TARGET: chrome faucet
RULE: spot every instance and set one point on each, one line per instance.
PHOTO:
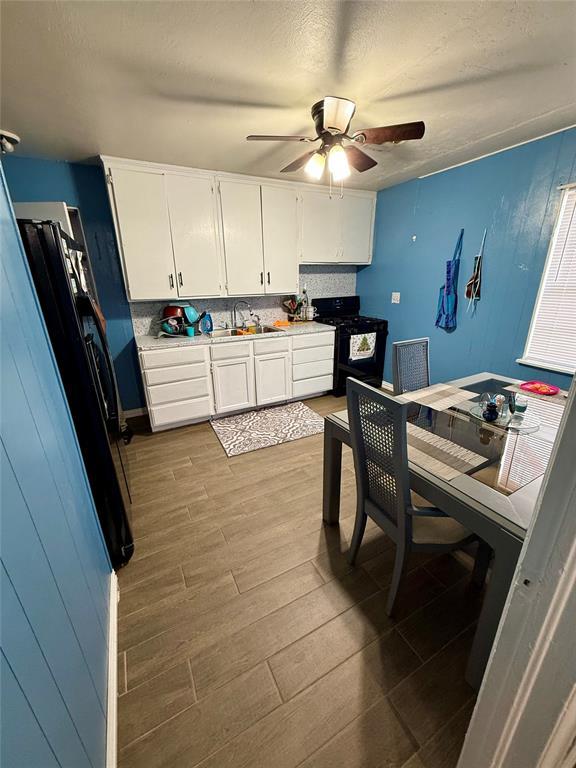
(234, 318)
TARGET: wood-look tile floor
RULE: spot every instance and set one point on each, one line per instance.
(246, 640)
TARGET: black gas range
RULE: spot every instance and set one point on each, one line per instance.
(360, 341)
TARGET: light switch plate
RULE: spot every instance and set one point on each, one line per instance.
(395, 297)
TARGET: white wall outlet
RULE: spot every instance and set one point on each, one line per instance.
(395, 297)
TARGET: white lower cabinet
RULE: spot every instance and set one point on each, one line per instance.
(313, 386)
(312, 364)
(273, 382)
(178, 385)
(175, 414)
(233, 384)
(187, 384)
(272, 370)
(233, 376)
(180, 390)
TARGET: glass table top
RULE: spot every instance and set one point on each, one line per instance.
(505, 461)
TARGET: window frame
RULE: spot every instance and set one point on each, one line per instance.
(526, 359)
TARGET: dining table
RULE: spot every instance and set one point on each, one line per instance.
(485, 475)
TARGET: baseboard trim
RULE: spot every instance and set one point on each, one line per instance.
(135, 412)
(112, 704)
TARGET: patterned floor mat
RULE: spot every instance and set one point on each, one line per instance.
(270, 426)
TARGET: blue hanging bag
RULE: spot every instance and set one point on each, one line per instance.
(448, 296)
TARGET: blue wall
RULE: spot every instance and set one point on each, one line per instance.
(83, 186)
(514, 194)
(54, 568)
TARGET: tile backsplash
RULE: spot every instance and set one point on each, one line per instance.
(320, 281)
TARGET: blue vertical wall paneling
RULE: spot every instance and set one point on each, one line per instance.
(84, 186)
(514, 194)
(27, 664)
(55, 566)
(23, 742)
(32, 395)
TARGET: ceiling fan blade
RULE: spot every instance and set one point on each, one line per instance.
(278, 138)
(401, 132)
(359, 160)
(298, 163)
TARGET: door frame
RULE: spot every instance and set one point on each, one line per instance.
(526, 709)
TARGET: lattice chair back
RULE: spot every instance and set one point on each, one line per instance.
(410, 364)
(379, 443)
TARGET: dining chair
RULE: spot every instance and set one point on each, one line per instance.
(410, 365)
(379, 444)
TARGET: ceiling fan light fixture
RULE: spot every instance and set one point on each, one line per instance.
(338, 113)
(315, 165)
(8, 141)
(338, 163)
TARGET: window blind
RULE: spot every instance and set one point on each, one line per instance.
(552, 337)
(525, 456)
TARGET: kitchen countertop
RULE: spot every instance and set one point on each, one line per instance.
(297, 329)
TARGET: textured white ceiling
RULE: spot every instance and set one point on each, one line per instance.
(185, 82)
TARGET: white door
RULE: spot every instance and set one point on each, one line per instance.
(144, 231)
(233, 384)
(357, 227)
(321, 227)
(242, 228)
(195, 237)
(280, 237)
(272, 378)
(45, 212)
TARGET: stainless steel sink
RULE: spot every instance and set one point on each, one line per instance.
(268, 329)
(228, 332)
(225, 332)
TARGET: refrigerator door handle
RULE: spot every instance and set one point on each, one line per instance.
(87, 307)
(90, 346)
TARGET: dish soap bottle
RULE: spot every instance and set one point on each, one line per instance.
(206, 324)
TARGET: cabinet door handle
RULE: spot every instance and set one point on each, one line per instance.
(180, 278)
(261, 278)
(268, 278)
(171, 280)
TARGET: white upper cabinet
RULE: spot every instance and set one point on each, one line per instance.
(336, 230)
(357, 226)
(321, 227)
(280, 238)
(190, 233)
(193, 220)
(144, 231)
(242, 229)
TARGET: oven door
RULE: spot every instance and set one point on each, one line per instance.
(360, 354)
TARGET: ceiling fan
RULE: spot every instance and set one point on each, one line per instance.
(332, 117)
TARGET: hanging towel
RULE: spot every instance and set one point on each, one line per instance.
(472, 290)
(448, 297)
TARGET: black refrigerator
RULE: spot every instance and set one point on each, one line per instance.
(60, 269)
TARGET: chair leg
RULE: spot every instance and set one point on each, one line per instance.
(359, 528)
(481, 564)
(400, 563)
